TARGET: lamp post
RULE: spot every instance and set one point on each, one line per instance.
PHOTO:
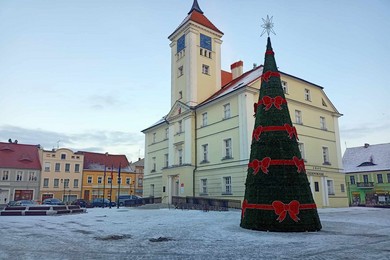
(68, 200)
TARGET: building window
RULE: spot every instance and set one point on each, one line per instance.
(325, 155)
(322, 123)
(63, 156)
(19, 176)
(301, 147)
(330, 187)
(342, 187)
(227, 148)
(140, 182)
(180, 71)
(352, 179)
(205, 69)
(180, 94)
(47, 167)
(128, 181)
(298, 117)
(67, 167)
(58, 167)
(75, 183)
(5, 176)
(307, 95)
(205, 150)
(388, 177)
(56, 183)
(365, 178)
(89, 179)
(66, 183)
(285, 87)
(119, 180)
(380, 178)
(109, 180)
(77, 167)
(179, 127)
(46, 182)
(203, 186)
(100, 180)
(180, 153)
(166, 160)
(31, 176)
(153, 164)
(204, 119)
(154, 138)
(316, 186)
(166, 133)
(226, 111)
(227, 185)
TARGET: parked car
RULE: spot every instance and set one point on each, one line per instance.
(82, 203)
(128, 200)
(25, 203)
(98, 202)
(12, 203)
(53, 201)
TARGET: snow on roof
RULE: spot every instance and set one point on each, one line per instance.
(237, 83)
(367, 158)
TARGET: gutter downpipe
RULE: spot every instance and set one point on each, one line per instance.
(196, 157)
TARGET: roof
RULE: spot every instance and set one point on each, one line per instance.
(97, 161)
(199, 18)
(226, 77)
(367, 158)
(19, 156)
(139, 163)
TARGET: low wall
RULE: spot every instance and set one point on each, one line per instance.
(41, 210)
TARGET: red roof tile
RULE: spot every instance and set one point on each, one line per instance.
(199, 18)
(19, 156)
(93, 159)
(226, 77)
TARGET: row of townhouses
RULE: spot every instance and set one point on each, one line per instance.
(201, 146)
(31, 173)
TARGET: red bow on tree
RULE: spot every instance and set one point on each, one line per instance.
(257, 132)
(269, 74)
(291, 130)
(281, 210)
(300, 164)
(268, 101)
(263, 164)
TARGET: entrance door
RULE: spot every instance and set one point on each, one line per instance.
(4, 196)
(86, 194)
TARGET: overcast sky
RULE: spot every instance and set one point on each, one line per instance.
(91, 74)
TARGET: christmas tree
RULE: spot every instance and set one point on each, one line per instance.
(277, 192)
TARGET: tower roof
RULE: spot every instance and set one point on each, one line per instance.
(196, 15)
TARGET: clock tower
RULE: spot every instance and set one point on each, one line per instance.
(195, 59)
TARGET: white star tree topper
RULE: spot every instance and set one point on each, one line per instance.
(268, 25)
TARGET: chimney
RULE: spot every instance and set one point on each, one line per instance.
(366, 145)
(236, 69)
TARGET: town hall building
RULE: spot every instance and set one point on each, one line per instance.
(201, 147)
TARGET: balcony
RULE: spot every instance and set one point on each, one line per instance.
(365, 185)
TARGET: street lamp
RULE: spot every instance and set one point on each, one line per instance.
(69, 195)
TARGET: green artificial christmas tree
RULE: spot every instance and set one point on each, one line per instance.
(277, 192)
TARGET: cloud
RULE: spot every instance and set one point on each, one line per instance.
(113, 142)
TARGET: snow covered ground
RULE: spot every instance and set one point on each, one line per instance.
(133, 233)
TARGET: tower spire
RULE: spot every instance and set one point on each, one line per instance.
(195, 7)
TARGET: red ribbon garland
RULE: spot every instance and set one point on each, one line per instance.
(256, 165)
(291, 130)
(268, 101)
(280, 208)
(268, 74)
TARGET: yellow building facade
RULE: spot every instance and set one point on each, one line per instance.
(61, 175)
(201, 147)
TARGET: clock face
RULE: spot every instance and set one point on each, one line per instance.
(181, 43)
(205, 42)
